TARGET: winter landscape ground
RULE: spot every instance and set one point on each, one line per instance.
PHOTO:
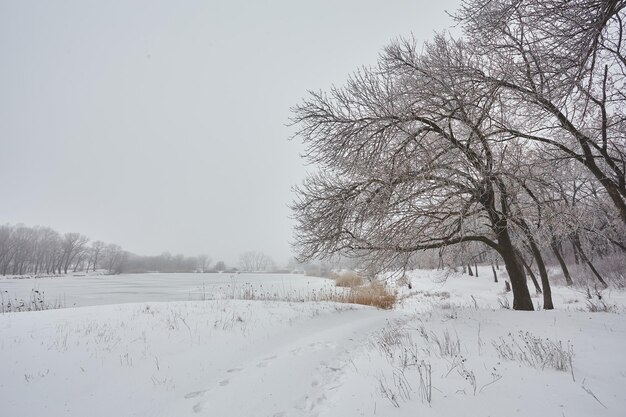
(448, 348)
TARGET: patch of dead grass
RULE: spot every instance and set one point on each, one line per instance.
(375, 294)
(348, 280)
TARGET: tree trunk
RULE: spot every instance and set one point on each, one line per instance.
(530, 272)
(469, 270)
(476, 269)
(495, 275)
(585, 259)
(543, 273)
(521, 295)
(533, 277)
(575, 250)
(555, 249)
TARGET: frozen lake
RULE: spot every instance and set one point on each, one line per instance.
(130, 288)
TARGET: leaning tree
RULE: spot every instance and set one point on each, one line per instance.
(410, 159)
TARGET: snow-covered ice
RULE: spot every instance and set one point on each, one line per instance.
(80, 291)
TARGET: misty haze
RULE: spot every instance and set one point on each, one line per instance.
(328, 209)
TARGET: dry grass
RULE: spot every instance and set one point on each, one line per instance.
(348, 280)
(535, 351)
(375, 294)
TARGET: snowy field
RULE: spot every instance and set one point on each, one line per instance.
(80, 291)
(448, 349)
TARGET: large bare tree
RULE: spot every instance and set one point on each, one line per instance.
(409, 161)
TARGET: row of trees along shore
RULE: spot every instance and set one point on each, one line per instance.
(39, 250)
(511, 137)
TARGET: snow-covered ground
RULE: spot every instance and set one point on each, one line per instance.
(448, 349)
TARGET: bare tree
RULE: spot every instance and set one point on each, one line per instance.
(97, 248)
(220, 266)
(74, 246)
(409, 161)
(253, 261)
(204, 261)
(113, 258)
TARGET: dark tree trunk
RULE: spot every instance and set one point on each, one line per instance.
(500, 227)
(586, 260)
(555, 249)
(495, 275)
(533, 278)
(475, 269)
(469, 270)
(575, 250)
(541, 266)
(521, 295)
(543, 273)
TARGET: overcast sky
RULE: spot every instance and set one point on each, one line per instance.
(160, 125)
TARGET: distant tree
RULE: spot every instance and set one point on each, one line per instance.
(73, 246)
(97, 248)
(204, 261)
(114, 257)
(220, 266)
(253, 261)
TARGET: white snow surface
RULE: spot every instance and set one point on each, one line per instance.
(98, 289)
(223, 357)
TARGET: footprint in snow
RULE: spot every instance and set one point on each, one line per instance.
(224, 383)
(230, 371)
(195, 394)
(296, 351)
(199, 407)
(265, 361)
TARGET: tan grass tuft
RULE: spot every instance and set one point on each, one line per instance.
(375, 294)
(348, 280)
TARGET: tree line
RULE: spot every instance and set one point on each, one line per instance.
(509, 139)
(40, 250)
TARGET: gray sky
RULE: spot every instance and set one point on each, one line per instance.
(160, 125)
